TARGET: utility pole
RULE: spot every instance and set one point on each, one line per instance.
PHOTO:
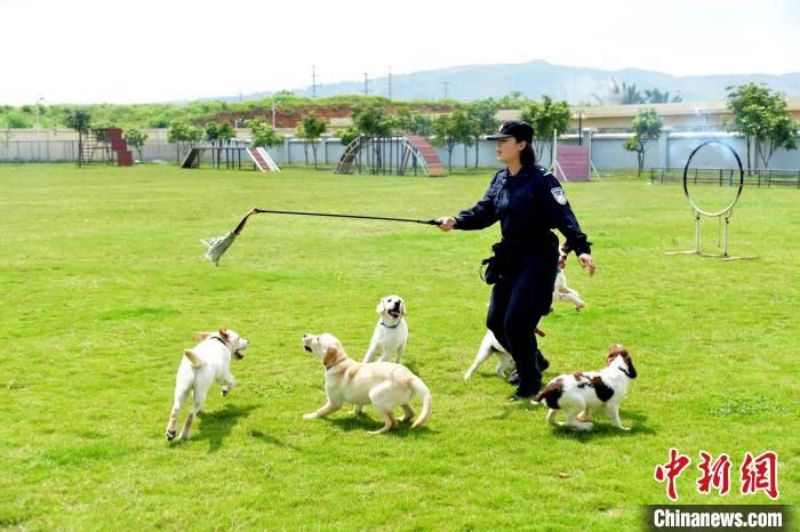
(313, 81)
(38, 110)
(366, 84)
(446, 85)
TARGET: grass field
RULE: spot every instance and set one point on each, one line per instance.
(103, 286)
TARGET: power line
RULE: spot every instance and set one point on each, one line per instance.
(446, 87)
(313, 81)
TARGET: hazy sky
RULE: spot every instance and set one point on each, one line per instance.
(85, 51)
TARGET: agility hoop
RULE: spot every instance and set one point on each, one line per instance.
(723, 215)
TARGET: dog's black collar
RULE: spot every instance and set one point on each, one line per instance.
(395, 326)
(623, 370)
(220, 340)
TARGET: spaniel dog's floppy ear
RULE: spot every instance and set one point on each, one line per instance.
(629, 363)
(381, 307)
(403, 309)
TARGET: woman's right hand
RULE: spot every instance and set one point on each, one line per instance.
(446, 223)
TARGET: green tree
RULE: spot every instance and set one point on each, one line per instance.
(79, 120)
(263, 134)
(646, 127)
(483, 113)
(656, 96)
(348, 135)
(313, 128)
(136, 139)
(513, 100)
(373, 120)
(546, 117)
(465, 129)
(300, 133)
(225, 132)
(619, 94)
(444, 130)
(414, 122)
(180, 133)
(760, 114)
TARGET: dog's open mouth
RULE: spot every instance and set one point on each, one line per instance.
(395, 313)
(307, 348)
(238, 354)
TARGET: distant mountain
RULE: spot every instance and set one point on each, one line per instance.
(537, 78)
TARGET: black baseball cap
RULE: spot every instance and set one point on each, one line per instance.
(514, 128)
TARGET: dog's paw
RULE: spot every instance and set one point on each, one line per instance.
(312, 415)
(171, 435)
(626, 429)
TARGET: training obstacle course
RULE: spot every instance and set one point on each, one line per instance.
(395, 155)
(230, 155)
(733, 177)
(107, 146)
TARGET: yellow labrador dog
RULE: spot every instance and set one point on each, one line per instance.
(384, 384)
(208, 361)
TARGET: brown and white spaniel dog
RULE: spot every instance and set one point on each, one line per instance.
(580, 394)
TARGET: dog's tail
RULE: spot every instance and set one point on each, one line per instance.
(427, 400)
(551, 394)
(193, 358)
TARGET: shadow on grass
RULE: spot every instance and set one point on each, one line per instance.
(266, 438)
(604, 429)
(216, 426)
(366, 423)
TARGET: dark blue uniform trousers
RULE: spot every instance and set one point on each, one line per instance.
(519, 300)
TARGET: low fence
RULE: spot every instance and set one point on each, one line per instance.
(727, 177)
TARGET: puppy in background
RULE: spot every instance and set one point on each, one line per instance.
(580, 394)
(391, 332)
(208, 361)
(384, 384)
(561, 291)
(490, 346)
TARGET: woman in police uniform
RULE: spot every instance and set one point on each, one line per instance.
(528, 201)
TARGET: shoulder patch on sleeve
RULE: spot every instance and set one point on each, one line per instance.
(559, 195)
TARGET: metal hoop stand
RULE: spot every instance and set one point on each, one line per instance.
(725, 214)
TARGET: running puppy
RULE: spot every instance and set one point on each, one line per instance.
(580, 394)
(561, 291)
(384, 384)
(208, 361)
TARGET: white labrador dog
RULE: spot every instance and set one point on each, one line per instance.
(384, 384)
(202, 365)
(580, 394)
(391, 332)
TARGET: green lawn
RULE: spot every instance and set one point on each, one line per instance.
(103, 286)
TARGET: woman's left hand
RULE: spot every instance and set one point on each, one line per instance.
(587, 261)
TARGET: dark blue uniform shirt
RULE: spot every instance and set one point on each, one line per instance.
(528, 205)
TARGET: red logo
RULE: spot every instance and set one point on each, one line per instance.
(672, 470)
(758, 473)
